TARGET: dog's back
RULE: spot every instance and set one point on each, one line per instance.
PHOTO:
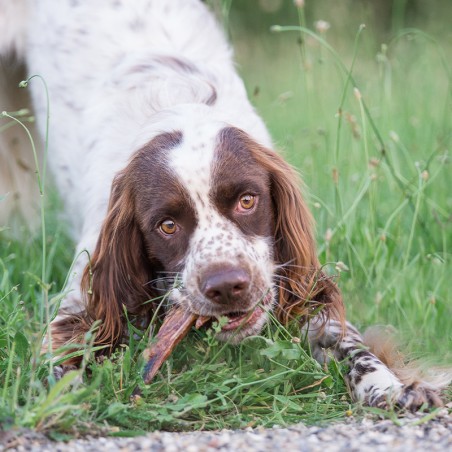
(109, 69)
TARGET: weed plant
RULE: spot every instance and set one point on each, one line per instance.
(370, 130)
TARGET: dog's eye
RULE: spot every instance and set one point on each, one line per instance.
(168, 227)
(247, 202)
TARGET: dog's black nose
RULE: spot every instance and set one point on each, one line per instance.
(223, 286)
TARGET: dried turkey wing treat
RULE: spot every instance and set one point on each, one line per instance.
(176, 325)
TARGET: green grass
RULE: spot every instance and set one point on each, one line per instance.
(378, 173)
(379, 186)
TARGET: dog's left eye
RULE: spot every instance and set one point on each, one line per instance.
(246, 202)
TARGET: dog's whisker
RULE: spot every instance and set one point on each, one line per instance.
(301, 267)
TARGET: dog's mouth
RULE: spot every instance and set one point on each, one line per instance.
(234, 320)
(238, 320)
(179, 321)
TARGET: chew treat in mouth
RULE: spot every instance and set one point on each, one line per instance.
(201, 321)
(176, 325)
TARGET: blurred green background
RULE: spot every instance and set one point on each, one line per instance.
(379, 183)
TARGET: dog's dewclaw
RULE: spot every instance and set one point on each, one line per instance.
(174, 328)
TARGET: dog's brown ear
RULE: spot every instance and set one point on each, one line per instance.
(119, 269)
(304, 290)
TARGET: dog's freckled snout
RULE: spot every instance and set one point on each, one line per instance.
(223, 286)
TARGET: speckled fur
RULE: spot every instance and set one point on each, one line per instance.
(217, 241)
(369, 380)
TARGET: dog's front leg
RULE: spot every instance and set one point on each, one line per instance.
(369, 380)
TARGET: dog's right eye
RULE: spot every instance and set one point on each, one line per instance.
(168, 227)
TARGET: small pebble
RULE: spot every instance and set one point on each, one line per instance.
(364, 435)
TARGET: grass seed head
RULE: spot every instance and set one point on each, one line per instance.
(322, 26)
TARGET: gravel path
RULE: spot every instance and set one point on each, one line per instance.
(416, 433)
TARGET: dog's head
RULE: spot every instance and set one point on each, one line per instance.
(216, 221)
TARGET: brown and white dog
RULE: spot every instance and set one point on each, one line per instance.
(170, 182)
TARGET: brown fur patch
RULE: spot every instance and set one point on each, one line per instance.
(303, 289)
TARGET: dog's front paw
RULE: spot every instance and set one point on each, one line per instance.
(409, 397)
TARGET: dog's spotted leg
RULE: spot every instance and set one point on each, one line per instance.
(369, 380)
